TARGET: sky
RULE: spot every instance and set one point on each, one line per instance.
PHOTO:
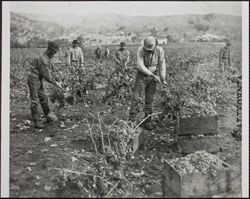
(146, 8)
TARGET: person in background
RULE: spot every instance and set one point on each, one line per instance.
(98, 53)
(117, 79)
(122, 56)
(75, 56)
(41, 69)
(150, 63)
(106, 52)
(224, 57)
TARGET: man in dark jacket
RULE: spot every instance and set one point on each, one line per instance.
(224, 57)
(41, 70)
(98, 53)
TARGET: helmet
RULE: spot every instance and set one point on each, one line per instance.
(53, 45)
(149, 43)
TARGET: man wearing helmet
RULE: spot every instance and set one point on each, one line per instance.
(224, 57)
(150, 63)
(41, 69)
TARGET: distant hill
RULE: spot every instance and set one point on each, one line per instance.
(23, 29)
(27, 26)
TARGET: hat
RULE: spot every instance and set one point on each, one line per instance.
(228, 44)
(149, 43)
(75, 42)
(122, 43)
(53, 45)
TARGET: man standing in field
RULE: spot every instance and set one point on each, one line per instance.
(106, 52)
(118, 77)
(41, 69)
(224, 57)
(75, 56)
(122, 56)
(98, 53)
(150, 63)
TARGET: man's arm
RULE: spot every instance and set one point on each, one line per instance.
(117, 59)
(81, 56)
(44, 72)
(127, 59)
(140, 63)
(220, 56)
(162, 65)
(69, 57)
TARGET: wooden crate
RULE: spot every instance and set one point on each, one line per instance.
(138, 139)
(194, 185)
(188, 145)
(197, 125)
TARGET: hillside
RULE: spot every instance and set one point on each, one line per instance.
(27, 26)
(23, 29)
(217, 23)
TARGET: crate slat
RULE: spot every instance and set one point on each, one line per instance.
(196, 126)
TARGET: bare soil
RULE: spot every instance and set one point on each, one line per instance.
(33, 161)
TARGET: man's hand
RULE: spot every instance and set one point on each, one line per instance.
(164, 82)
(57, 84)
(156, 78)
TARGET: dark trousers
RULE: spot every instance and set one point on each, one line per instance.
(224, 64)
(147, 84)
(37, 95)
(75, 66)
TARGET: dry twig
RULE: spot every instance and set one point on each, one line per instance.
(145, 120)
(102, 136)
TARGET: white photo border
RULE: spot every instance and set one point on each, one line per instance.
(5, 96)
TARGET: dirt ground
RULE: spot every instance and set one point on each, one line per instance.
(36, 156)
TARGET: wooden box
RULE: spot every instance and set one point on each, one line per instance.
(197, 125)
(188, 144)
(137, 139)
(194, 185)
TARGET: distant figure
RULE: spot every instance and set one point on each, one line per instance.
(75, 56)
(122, 56)
(117, 81)
(106, 52)
(224, 57)
(98, 53)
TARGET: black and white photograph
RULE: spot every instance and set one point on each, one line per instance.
(129, 99)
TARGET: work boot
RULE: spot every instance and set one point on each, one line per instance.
(45, 109)
(38, 125)
(147, 124)
(51, 117)
(35, 117)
